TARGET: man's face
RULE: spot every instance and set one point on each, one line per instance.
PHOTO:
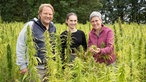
(46, 16)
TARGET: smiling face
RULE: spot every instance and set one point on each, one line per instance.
(46, 15)
(71, 21)
(96, 23)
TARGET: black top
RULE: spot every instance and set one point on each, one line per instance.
(78, 38)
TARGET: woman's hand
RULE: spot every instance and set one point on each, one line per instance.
(94, 50)
(97, 50)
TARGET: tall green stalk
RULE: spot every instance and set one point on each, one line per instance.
(50, 58)
(9, 63)
(32, 74)
(58, 57)
(68, 49)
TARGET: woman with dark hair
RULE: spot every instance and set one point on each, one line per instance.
(77, 36)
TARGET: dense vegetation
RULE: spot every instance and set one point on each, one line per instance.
(127, 10)
(130, 46)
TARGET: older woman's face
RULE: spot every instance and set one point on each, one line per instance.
(96, 22)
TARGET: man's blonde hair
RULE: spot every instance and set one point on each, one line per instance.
(45, 5)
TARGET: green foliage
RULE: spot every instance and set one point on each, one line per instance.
(32, 74)
(130, 65)
(128, 10)
(14, 11)
(81, 7)
(9, 61)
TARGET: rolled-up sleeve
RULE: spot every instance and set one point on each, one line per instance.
(109, 44)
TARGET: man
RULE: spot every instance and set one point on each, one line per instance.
(38, 27)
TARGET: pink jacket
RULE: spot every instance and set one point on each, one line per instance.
(104, 41)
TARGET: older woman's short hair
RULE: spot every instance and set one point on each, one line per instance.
(95, 14)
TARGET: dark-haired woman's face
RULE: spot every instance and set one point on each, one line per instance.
(72, 21)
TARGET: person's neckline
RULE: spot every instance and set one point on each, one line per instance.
(72, 30)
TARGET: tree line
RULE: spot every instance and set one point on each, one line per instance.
(24, 10)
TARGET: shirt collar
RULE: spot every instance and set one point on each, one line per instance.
(102, 29)
(50, 24)
(39, 21)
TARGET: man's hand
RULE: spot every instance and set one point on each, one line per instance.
(23, 71)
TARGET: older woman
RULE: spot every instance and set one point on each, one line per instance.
(101, 40)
